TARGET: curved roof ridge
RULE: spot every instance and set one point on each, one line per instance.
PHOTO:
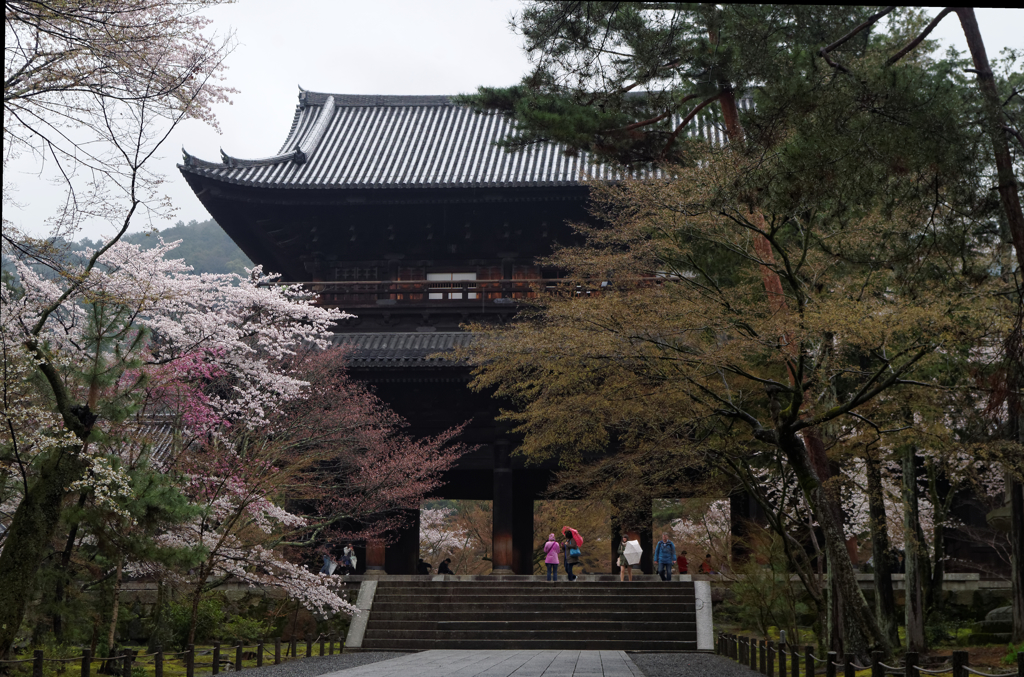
(307, 98)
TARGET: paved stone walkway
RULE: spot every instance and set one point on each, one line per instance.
(452, 663)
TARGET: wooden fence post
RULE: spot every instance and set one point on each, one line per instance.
(259, 654)
(911, 669)
(321, 645)
(1020, 664)
(37, 663)
(216, 657)
(809, 661)
(848, 663)
(158, 661)
(128, 656)
(959, 661)
(190, 661)
(794, 662)
(330, 644)
(238, 656)
(782, 659)
(309, 646)
(771, 659)
(878, 671)
(830, 664)
(277, 651)
(753, 653)
(86, 662)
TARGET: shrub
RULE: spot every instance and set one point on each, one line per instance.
(209, 618)
(248, 630)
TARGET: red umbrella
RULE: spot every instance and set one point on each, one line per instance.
(575, 536)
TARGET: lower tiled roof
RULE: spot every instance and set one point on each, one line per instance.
(409, 349)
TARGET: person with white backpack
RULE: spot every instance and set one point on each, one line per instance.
(348, 559)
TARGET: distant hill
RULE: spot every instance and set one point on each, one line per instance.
(204, 246)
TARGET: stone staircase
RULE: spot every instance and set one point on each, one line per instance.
(638, 616)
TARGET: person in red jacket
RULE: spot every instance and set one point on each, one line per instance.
(684, 566)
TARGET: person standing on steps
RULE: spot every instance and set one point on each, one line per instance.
(443, 567)
(684, 566)
(665, 556)
(624, 566)
(572, 556)
(348, 558)
(551, 549)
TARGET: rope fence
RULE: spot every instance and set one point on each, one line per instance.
(121, 664)
(767, 657)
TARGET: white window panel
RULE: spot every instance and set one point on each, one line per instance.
(443, 281)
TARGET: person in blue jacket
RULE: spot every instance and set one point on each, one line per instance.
(665, 557)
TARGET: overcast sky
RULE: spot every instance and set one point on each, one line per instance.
(359, 47)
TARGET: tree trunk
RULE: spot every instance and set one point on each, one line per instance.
(196, 595)
(914, 607)
(31, 531)
(885, 597)
(115, 606)
(933, 598)
(1014, 487)
(64, 576)
(1008, 191)
(1016, 490)
(859, 624)
(1009, 197)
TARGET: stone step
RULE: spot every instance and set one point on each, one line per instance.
(581, 644)
(531, 599)
(594, 604)
(630, 623)
(552, 633)
(512, 585)
(413, 615)
(426, 616)
(559, 590)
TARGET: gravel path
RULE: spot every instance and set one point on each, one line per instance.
(321, 665)
(688, 665)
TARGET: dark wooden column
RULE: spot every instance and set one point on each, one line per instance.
(375, 558)
(502, 513)
(402, 555)
(522, 529)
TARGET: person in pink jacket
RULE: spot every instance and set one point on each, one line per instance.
(551, 548)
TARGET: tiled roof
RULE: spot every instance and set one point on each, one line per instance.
(410, 349)
(153, 436)
(365, 141)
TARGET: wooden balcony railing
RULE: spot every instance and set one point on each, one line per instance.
(458, 293)
(365, 294)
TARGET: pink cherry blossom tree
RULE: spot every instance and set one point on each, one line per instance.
(91, 92)
(125, 332)
(336, 454)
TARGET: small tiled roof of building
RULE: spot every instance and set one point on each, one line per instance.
(369, 141)
(401, 349)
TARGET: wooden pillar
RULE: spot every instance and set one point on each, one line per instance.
(739, 517)
(522, 527)
(402, 555)
(502, 513)
(375, 558)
